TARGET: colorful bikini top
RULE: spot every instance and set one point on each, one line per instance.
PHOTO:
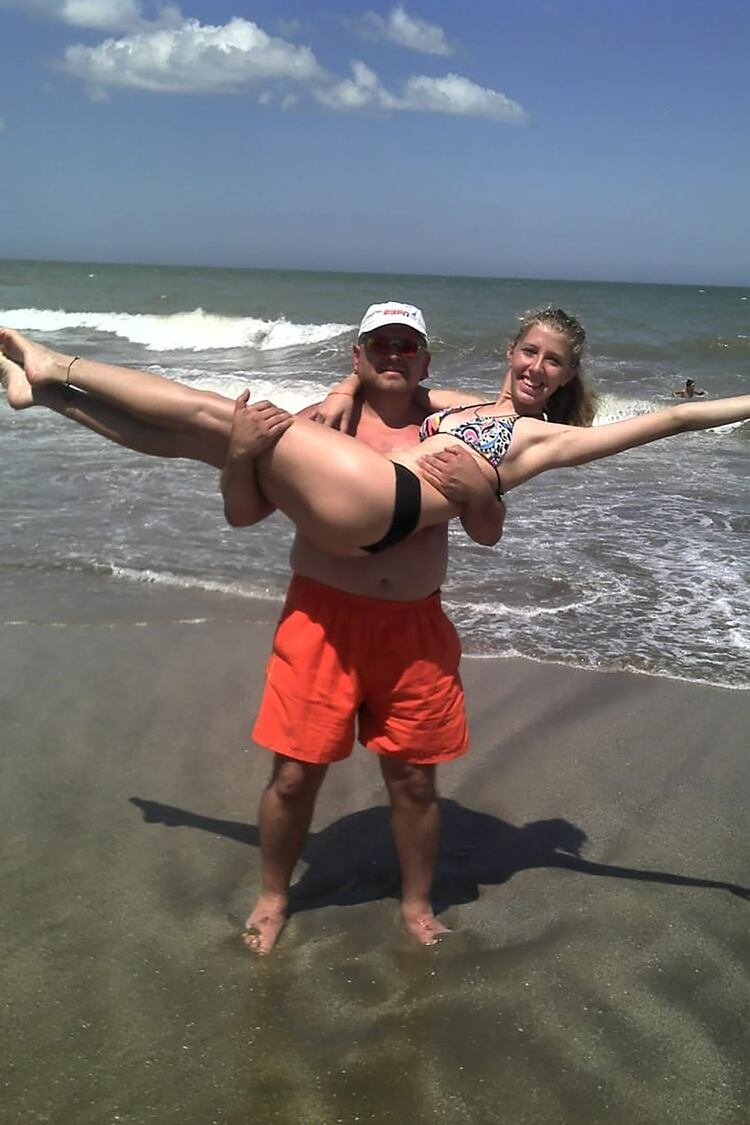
(488, 434)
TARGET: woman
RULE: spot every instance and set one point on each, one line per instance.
(341, 494)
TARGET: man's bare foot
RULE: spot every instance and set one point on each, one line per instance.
(40, 364)
(264, 924)
(423, 925)
(17, 386)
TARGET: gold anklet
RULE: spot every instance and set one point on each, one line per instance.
(67, 374)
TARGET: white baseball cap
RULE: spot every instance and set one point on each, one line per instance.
(393, 312)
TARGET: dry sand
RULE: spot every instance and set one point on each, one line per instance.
(594, 853)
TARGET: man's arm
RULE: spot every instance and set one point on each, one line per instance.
(339, 409)
(254, 429)
(456, 474)
(339, 405)
(483, 517)
(441, 398)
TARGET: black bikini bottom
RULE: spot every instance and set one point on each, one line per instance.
(407, 504)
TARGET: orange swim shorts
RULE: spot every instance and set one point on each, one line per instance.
(344, 666)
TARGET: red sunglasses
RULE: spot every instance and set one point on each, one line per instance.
(383, 345)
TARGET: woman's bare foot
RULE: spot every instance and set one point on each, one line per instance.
(264, 924)
(17, 387)
(423, 925)
(40, 364)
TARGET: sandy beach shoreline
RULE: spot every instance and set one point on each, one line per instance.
(594, 868)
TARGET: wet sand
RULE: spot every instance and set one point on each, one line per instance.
(594, 856)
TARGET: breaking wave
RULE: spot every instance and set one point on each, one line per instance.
(185, 331)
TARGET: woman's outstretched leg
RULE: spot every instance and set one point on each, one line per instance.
(337, 491)
(17, 387)
(108, 421)
(148, 397)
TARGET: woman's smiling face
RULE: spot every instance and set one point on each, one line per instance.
(539, 364)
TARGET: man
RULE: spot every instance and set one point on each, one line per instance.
(362, 641)
(688, 391)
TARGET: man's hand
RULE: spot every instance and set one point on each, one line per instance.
(457, 475)
(256, 427)
(337, 408)
(335, 411)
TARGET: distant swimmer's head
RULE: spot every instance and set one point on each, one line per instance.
(689, 383)
(572, 403)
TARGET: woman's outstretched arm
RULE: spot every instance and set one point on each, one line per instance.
(546, 445)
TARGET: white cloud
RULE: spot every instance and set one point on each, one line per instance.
(363, 92)
(184, 56)
(456, 95)
(450, 95)
(103, 15)
(406, 31)
(193, 58)
(267, 98)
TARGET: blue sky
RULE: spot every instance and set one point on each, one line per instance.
(580, 139)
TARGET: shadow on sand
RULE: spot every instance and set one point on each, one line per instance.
(353, 860)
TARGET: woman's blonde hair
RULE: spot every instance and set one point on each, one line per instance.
(574, 403)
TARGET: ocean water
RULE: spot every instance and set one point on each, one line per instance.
(640, 562)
